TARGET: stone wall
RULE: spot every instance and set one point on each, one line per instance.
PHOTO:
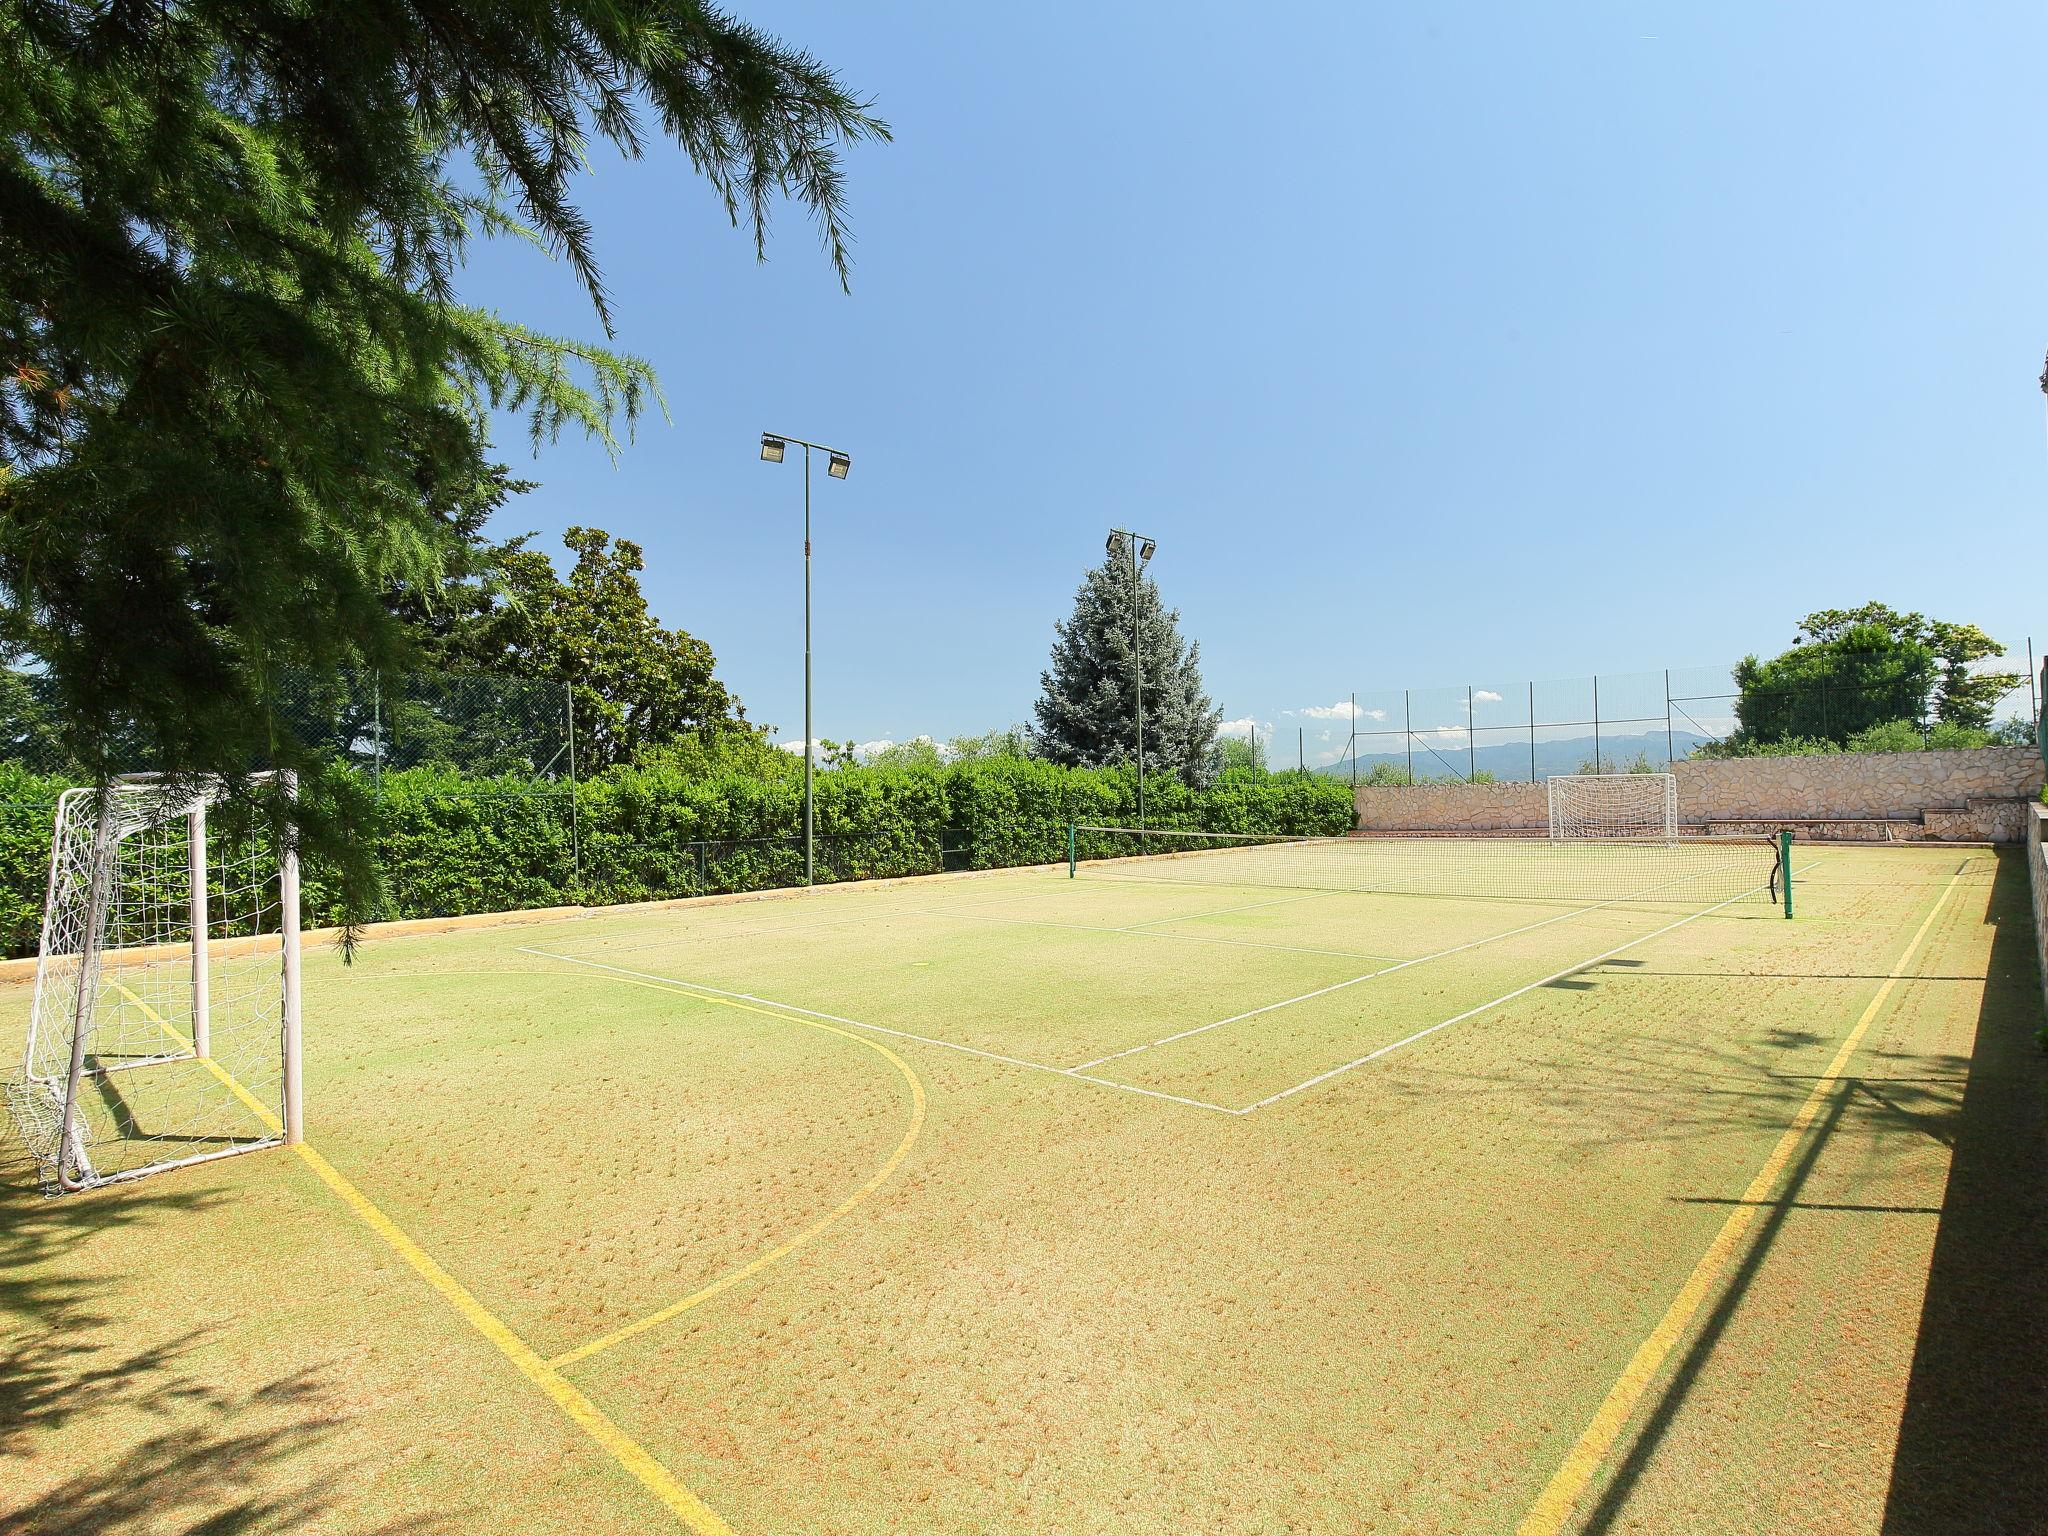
(1978, 795)
(1453, 808)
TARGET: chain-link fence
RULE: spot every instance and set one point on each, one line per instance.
(1615, 722)
(480, 725)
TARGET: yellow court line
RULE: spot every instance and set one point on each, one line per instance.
(653, 1476)
(784, 1250)
(263, 1111)
(586, 1415)
(1553, 1507)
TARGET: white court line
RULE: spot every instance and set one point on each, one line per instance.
(1080, 1073)
(1456, 949)
(1139, 933)
(685, 987)
(1505, 997)
(1351, 981)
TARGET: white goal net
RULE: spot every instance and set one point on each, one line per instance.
(1603, 806)
(165, 1023)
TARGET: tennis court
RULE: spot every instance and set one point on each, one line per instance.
(1445, 1185)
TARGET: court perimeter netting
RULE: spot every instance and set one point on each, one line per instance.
(1679, 872)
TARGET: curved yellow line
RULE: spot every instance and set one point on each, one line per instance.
(782, 1250)
(581, 1411)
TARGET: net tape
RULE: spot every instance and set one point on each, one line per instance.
(1684, 871)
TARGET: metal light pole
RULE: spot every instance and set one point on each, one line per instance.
(836, 465)
(1140, 549)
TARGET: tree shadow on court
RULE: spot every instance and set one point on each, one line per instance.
(1614, 1497)
(1970, 1455)
(210, 1460)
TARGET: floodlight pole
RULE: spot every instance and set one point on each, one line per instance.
(839, 463)
(1131, 541)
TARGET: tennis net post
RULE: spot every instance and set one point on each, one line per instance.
(1073, 849)
(1785, 865)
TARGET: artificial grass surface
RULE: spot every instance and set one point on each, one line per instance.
(1390, 1301)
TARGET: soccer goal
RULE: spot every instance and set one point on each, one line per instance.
(165, 1024)
(1599, 806)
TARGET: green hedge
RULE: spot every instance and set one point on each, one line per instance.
(450, 843)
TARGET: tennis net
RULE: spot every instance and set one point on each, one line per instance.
(1686, 871)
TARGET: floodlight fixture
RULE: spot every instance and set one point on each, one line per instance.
(836, 465)
(1139, 549)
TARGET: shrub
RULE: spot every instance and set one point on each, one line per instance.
(1947, 735)
(450, 842)
(1906, 736)
(1739, 745)
(1889, 736)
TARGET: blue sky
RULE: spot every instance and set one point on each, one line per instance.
(1432, 344)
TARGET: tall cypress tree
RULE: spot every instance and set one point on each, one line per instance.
(1085, 714)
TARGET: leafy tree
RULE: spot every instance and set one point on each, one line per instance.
(1961, 697)
(1085, 715)
(1847, 670)
(240, 401)
(633, 683)
(1967, 698)
(1236, 754)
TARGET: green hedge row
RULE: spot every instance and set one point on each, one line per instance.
(450, 843)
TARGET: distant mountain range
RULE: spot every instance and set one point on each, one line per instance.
(1510, 759)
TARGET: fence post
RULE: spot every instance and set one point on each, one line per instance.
(1532, 731)
(1354, 721)
(1471, 740)
(1408, 734)
(575, 822)
(1598, 766)
(377, 736)
(1670, 750)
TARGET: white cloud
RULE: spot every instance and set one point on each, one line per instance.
(1245, 727)
(1486, 696)
(797, 746)
(1341, 710)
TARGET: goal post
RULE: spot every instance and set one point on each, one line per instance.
(165, 1024)
(1610, 806)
